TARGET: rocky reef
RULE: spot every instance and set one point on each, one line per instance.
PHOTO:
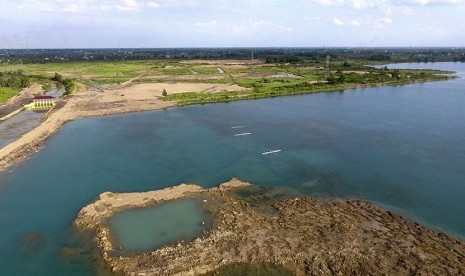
(303, 236)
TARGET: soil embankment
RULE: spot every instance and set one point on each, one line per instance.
(302, 235)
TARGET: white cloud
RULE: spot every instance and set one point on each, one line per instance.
(380, 23)
(259, 23)
(128, 6)
(338, 22)
(408, 11)
(285, 29)
(153, 5)
(377, 23)
(210, 23)
(326, 2)
(359, 4)
(428, 2)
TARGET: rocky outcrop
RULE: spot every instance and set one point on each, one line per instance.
(303, 235)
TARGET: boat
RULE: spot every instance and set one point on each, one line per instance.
(271, 152)
(242, 134)
(237, 126)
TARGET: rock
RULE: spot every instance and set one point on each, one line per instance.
(304, 236)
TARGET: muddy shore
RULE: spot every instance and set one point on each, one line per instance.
(302, 235)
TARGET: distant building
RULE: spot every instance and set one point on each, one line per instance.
(41, 103)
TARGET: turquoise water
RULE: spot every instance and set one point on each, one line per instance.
(148, 228)
(402, 147)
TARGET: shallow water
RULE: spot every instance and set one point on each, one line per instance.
(148, 228)
(15, 127)
(399, 146)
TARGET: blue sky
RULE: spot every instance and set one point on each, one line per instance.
(228, 23)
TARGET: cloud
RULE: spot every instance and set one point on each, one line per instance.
(427, 2)
(359, 4)
(128, 6)
(380, 23)
(377, 23)
(408, 11)
(210, 23)
(325, 2)
(285, 29)
(338, 22)
(153, 5)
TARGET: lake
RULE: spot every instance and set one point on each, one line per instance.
(401, 147)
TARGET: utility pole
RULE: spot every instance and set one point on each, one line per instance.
(327, 67)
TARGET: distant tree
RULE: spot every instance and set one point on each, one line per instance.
(331, 80)
(396, 74)
(346, 64)
(342, 78)
(57, 77)
(164, 93)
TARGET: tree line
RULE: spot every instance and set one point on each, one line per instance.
(14, 79)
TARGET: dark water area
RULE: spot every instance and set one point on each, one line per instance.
(402, 147)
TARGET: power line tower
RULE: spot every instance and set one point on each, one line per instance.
(327, 67)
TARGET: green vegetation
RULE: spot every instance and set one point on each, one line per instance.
(6, 93)
(69, 84)
(282, 75)
(283, 59)
(15, 79)
(11, 82)
(46, 87)
(345, 76)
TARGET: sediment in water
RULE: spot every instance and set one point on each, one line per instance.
(304, 236)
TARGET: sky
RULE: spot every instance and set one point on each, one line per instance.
(228, 23)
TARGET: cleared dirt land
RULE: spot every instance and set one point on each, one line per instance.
(144, 91)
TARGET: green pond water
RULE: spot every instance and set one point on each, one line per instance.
(151, 227)
(402, 147)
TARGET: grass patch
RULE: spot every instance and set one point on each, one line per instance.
(7, 92)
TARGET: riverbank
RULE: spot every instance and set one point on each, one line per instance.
(87, 102)
(302, 235)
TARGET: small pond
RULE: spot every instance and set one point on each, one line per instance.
(144, 229)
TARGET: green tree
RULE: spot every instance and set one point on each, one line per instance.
(164, 93)
(396, 74)
(57, 77)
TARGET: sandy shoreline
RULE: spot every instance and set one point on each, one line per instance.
(304, 236)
